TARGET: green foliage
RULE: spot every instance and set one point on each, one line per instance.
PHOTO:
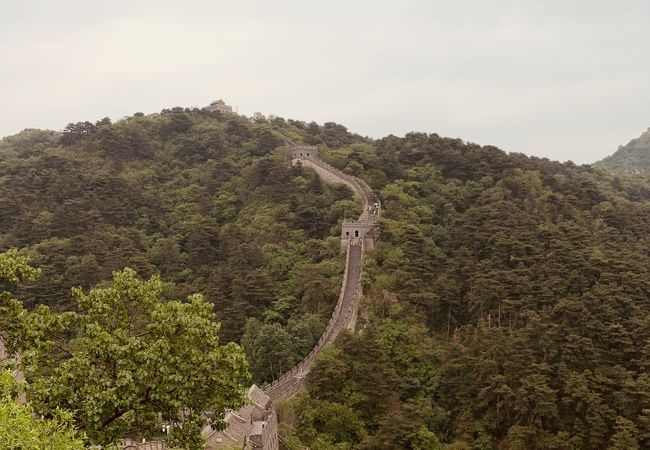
(352, 400)
(126, 359)
(15, 268)
(632, 158)
(625, 435)
(203, 199)
(20, 428)
(273, 349)
(506, 304)
(510, 295)
(27, 143)
(319, 424)
(269, 349)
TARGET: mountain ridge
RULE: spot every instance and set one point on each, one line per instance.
(632, 158)
(506, 303)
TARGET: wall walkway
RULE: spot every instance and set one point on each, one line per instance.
(345, 313)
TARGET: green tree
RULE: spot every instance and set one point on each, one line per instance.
(15, 268)
(20, 428)
(269, 348)
(126, 357)
(624, 437)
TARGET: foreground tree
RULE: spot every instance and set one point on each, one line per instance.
(127, 359)
(21, 429)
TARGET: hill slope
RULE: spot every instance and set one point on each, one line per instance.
(632, 158)
(202, 198)
(507, 304)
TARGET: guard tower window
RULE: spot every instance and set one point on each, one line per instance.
(307, 154)
(356, 233)
(300, 153)
(347, 233)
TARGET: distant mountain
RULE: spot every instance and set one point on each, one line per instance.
(630, 159)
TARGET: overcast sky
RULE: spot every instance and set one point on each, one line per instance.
(562, 79)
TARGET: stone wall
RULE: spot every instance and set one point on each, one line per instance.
(355, 236)
(129, 444)
(264, 433)
(255, 425)
(289, 382)
(302, 151)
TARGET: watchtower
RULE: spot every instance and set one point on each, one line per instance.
(356, 231)
(303, 151)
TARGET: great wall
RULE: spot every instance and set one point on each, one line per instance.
(255, 425)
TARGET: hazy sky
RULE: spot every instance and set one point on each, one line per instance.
(562, 79)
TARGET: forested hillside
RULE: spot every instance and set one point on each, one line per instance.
(200, 198)
(507, 303)
(632, 158)
(508, 307)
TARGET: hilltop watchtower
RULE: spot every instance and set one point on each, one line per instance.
(219, 106)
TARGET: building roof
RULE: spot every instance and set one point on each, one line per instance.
(258, 397)
(238, 423)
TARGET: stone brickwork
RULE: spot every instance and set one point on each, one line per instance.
(253, 426)
(129, 444)
(302, 151)
(344, 314)
(219, 106)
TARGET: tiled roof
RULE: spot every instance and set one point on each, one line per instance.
(258, 397)
(239, 423)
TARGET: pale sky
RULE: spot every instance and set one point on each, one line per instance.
(561, 79)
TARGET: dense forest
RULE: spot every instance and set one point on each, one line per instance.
(197, 197)
(508, 306)
(632, 158)
(507, 303)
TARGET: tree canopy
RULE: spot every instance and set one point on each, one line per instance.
(126, 360)
(506, 303)
(21, 429)
(508, 296)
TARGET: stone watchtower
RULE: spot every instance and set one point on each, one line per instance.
(219, 106)
(364, 229)
(357, 231)
(303, 151)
